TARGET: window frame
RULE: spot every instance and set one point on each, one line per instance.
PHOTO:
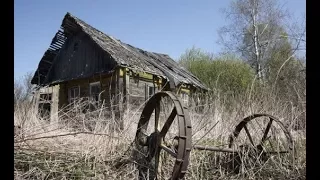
(73, 99)
(97, 83)
(44, 105)
(153, 91)
(185, 98)
(47, 99)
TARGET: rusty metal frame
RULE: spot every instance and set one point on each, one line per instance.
(243, 125)
(183, 144)
(183, 138)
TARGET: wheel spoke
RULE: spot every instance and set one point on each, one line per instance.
(168, 150)
(265, 147)
(266, 131)
(168, 123)
(271, 143)
(157, 161)
(265, 134)
(248, 134)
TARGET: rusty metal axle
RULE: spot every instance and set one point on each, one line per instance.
(209, 148)
(229, 150)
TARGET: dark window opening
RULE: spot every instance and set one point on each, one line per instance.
(44, 110)
(44, 107)
(74, 94)
(150, 92)
(95, 90)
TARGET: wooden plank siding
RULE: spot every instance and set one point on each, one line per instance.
(123, 87)
(107, 82)
(138, 83)
(80, 58)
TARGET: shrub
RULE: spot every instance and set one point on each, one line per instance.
(225, 73)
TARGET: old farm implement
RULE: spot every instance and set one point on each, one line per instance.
(164, 146)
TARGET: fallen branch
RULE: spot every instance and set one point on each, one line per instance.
(67, 134)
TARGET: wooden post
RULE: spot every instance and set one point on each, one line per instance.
(54, 117)
(126, 86)
(118, 95)
(117, 102)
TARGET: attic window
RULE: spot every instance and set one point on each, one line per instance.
(75, 46)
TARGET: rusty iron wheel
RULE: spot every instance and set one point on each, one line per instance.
(269, 137)
(151, 142)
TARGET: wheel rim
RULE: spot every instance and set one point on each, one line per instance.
(153, 144)
(261, 145)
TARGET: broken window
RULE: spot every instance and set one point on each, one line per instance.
(44, 110)
(149, 91)
(45, 98)
(44, 106)
(95, 90)
(74, 94)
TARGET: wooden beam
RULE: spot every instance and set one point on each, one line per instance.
(126, 87)
(117, 92)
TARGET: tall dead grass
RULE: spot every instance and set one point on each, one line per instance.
(86, 146)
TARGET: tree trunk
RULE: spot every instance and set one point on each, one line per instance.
(255, 39)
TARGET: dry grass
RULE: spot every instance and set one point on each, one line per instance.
(70, 150)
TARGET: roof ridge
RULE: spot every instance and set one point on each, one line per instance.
(113, 37)
(86, 24)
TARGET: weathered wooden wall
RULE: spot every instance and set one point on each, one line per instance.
(121, 89)
(107, 82)
(138, 88)
(78, 58)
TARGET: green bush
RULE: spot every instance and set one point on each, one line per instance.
(225, 73)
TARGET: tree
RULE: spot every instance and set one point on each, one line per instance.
(255, 27)
(23, 89)
(286, 73)
(192, 55)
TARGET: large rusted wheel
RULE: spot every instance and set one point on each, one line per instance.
(261, 136)
(163, 141)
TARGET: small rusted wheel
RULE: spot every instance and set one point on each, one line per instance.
(160, 145)
(261, 136)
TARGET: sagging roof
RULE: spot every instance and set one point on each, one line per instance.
(124, 54)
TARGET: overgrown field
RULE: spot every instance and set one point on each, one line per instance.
(83, 146)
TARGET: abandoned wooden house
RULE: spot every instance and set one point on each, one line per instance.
(84, 62)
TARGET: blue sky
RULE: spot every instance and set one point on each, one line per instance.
(165, 26)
